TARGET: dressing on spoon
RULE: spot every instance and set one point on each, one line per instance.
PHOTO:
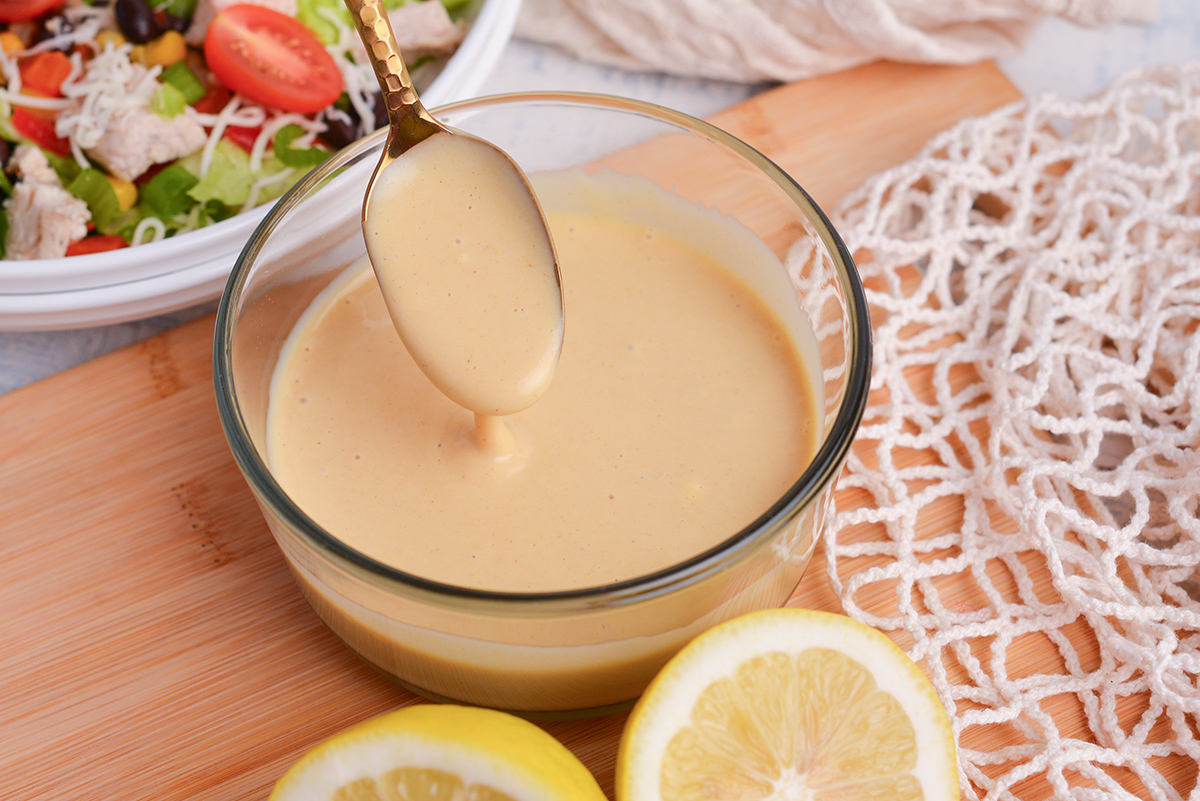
(460, 248)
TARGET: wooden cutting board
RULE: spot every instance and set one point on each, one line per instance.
(153, 644)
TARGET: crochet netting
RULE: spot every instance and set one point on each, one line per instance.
(1027, 475)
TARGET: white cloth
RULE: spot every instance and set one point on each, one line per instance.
(786, 40)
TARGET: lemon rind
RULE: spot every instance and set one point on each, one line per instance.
(480, 746)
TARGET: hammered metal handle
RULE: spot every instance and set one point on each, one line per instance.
(410, 122)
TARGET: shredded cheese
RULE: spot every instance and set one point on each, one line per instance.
(189, 221)
(263, 183)
(110, 82)
(83, 23)
(272, 127)
(155, 226)
(12, 72)
(31, 101)
(232, 114)
(358, 76)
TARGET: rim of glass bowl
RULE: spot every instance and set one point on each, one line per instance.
(817, 476)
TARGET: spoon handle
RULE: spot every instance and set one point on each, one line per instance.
(409, 121)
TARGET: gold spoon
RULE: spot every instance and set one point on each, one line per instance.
(460, 246)
(408, 121)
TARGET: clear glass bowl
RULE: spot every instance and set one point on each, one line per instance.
(579, 651)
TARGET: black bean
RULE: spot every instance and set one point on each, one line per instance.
(51, 27)
(342, 131)
(173, 22)
(137, 21)
(339, 131)
(381, 117)
(5, 152)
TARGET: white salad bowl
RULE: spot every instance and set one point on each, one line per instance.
(192, 268)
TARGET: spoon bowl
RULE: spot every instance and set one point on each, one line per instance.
(460, 246)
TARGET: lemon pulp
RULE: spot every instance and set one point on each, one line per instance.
(417, 784)
(790, 705)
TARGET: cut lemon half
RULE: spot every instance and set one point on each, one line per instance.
(788, 705)
(435, 752)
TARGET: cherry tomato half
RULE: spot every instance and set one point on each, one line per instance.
(21, 10)
(271, 59)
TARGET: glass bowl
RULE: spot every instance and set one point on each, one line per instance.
(578, 651)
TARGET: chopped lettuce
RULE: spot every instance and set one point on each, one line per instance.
(7, 131)
(229, 177)
(184, 202)
(67, 168)
(316, 14)
(215, 211)
(166, 194)
(180, 8)
(93, 188)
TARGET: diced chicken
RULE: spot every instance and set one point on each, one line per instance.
(43, 218)
(425, 29)
(30, 164)
(207, 10)
(422, 29)
(137, 138)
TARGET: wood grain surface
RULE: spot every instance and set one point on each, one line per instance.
(153, 644)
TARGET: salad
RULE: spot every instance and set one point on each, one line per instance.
(126, 121)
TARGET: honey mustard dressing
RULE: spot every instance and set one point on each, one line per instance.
(680, 410)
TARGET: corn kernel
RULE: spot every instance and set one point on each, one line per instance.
(11, 43)
(168, 49)
(105, 37)
(138, 54)
(127, 193)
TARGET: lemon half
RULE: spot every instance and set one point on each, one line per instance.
(436, 752)
(789, 705)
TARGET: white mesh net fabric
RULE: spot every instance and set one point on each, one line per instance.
(1020, 510)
